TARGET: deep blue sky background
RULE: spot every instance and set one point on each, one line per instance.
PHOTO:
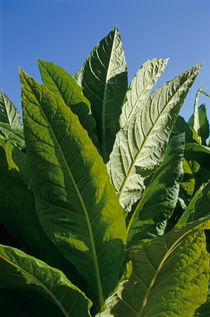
(65, 31)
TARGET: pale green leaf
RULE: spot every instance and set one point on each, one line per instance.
(8, 112)
(141, 145)
(160, 197)
(140, 88)
(64, 85)
(104, 82)
(170, 276)
(77, 206)
(19, 270)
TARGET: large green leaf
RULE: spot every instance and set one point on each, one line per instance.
(8, 112)
(140, 88)
(198, 206)
(160, 197)
(62, 84)
(169, 278)
(104, 82)
(21, 271)
(17, 203)
(76, 204)
(142, 143)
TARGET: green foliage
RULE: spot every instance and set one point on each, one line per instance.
(104, 201)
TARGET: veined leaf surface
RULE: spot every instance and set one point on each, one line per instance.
(160, 197)
(64, 85)
(140, 88)
(17, 203)
(13, 134)
(142, 143)
(76, 204)
(104, 82)
(19, 270)
(198, 206)
(169, 278)
(8, 112)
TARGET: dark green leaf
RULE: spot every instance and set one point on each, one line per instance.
(19, 270)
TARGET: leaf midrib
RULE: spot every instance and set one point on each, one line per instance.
(135, 103)
(37, 281)
(103, 119)
(92, 240)
(120, 192)
(160, 266)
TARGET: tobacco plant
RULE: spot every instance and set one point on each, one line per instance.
(105, 193)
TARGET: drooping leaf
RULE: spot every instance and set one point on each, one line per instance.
(198, 206)
(141, 145)
(77, 206)
(150, 216)
(18, 215)
(8, 112)
(104, 82)
(203, 128)
(19, 270)
(64, 85)
(170, 276)
(140, 88)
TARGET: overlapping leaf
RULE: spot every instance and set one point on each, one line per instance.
(198, 206)
(202, 124)
(76, 204)
(8, 112)
(19, 270)
(169, 278)
(160, 197)
(104, 82)
(17, 202)
(140, 88)
(142, 143)
(64, 85)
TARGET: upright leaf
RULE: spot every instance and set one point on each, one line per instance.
(104, 82)
(21, 271)
(64, 85)
(142, 143)
(8, 112)
(203, 124)
(140, 88)
(169, 278)
(198, 206)
(160, 197)
(76, 204)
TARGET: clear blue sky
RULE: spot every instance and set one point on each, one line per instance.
(65, 31)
